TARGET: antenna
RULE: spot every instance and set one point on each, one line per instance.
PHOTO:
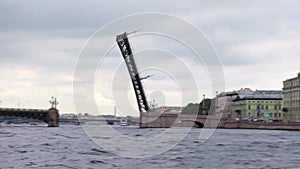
(115, 111)
(133, 32)
(146, 77)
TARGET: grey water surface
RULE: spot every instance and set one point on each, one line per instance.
(69, 147)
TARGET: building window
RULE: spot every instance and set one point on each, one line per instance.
(279, 115)
(279, 107)
(275, 114)
(249, 107)
(275, 107)
(262, 107)
(267, 107)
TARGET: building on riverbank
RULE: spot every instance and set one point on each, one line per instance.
(262, 104)
(291, 98)
(224, 100)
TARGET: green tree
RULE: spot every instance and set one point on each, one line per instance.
(196, 108)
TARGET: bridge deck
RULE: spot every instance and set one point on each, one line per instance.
(50, 116)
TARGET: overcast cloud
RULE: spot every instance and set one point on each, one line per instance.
(258, 43)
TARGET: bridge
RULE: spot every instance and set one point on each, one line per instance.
(166, 120)
(149, 118)
(50, 116)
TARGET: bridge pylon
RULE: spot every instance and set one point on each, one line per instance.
(53, 117)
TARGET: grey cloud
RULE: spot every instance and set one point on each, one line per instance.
(69, 14)
(47, 36)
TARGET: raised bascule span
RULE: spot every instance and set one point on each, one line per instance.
(148, 118)
(127, 54)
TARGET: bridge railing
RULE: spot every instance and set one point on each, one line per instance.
(27, 110)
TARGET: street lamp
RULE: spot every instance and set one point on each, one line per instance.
(53, 102)
(203, 105)
(216, 101)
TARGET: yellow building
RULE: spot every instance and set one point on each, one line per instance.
(262, 105)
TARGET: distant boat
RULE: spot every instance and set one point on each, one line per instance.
(110, 122)
(6, 123)
(76, 123)
(123, 124)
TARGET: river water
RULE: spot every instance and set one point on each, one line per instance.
(69, 147)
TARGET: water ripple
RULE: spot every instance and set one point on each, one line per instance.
(70, 147)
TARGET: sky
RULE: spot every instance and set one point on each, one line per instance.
(258, 44)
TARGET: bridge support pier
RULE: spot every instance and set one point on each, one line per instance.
(53, 118)
(157, 120)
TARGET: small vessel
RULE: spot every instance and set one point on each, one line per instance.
(110, 122)
(123, 124)
(6, 123)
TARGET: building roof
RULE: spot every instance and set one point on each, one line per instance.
(291, 79)
(270, 92)
(232, 93)
(260, 96)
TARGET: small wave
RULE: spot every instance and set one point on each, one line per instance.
(272, 146)
(22, 151)
(58, 166)
(114, 165)
(99, 151)
(178, 158)
(3, 132)
(97, 162)
(26, 145)
(220, 144)
(256, 142)
(46, 144)
(95, 152)
(30, 164)
(8, 135)
(294, 144)
(69, 137)
(97, 137)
